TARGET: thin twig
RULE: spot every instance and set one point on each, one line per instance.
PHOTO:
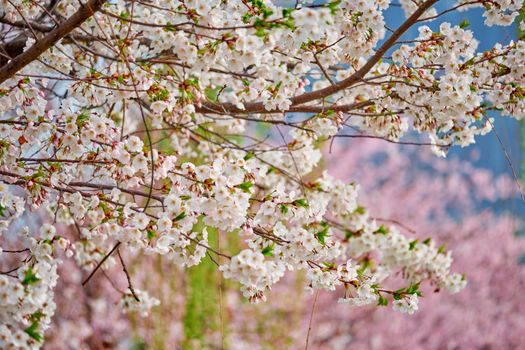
(509, 161)
(130, 286)
(100, 263)
(311, 319)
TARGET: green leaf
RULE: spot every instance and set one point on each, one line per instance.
(245, 186)
(321, 235)
(398, 294)
(469, 62)
(284, 209)
(30, 277)
(413, 288)
(267, 12)
(212, 94)
(249, 156)
(268, 250)
(261, 32)
(360, 210)
(169, 27)
(382, 301)
(330, 265)
(151, 234)
(180, 216)
(160, 95)
(246, 17)
(412, 245)
(464, 24)
(32, 331)
(301, 202)
(381, 230)
(365, 264)
(333, 6)
(287, 12)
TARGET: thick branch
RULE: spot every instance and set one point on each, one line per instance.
(258, 107)
(22, 60)
(360, 74)
(332, 89)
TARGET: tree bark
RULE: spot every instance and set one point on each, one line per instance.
(23, 59)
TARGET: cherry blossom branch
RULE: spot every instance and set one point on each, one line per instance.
(130, 286)
(115, 247)
(22, 60)
(257, 107)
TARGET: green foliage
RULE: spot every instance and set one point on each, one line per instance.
(249, 156)
(412, 289)
(381, 230)
(412, 245)
(32, 331)
(159, 95)
(30, 277)
(382, 301)
(245, 186)
(268, 250)
(333, 6)
(169, 27)
(360, 210)
(349, 234)
(301, 202)
(201, 315)
(321, 235)
(464, 24)
(212, 94)
(180, 216)
(151, 234)
(366, 263)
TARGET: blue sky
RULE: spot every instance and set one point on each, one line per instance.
(508, 129)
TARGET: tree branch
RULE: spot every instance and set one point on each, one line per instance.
(100, 263)
(22, 60)
(254, 107)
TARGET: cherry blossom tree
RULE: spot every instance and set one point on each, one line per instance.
(135, 123)
(450, 201)
(432, 191)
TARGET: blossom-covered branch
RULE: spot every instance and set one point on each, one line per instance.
(149, 126)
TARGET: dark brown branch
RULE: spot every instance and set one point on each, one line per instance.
(257, 107)
(130, 286)
(332, 89)
(115, 247)
(25, 58)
